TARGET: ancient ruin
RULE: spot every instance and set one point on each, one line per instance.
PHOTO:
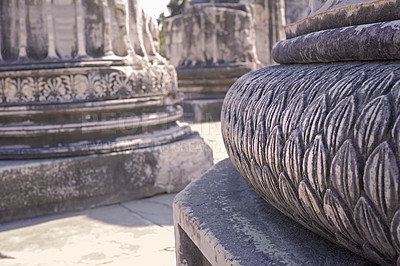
(317, 137)
(214, 42)
(88, 109)
(320, 142)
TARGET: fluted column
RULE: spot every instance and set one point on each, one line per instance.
(87, 118)
(75, 65)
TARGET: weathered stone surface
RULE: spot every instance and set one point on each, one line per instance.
(335, 14)
(203, 110)
(36, 187)
(138, 232)
(296, 10)
(82, 78)
(220, 220)
(377, 41)
(320, 143)
(221, 33)
(87, 79)
(214, 42)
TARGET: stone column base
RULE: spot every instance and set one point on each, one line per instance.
(204, 89)
(202, 110)
(38, 187)
(220, 220)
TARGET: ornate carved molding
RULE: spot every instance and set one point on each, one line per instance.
(84, 84)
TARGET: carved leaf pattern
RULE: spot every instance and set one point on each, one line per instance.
(338, 123)
(396, 133)
(259, 144)
(373, 124)
(272, 185)
(322, 84)
(345, 86)
(238, 131)
(395, 91)
(54, 89)
(256, 171)
(275, 111)
(305, 83)
(290, 195)
(345, 174)
(292, 114)
(315, 166)
(39, 83)
(262, 105)
(339, 158)
(313, 119)
(94, 86)
(372, 227)
(248, 139)
(340, 216)
(273, 150)
(381, 180)
(70, 85)
(312, 205)
(122, 85)
(108, 84)
(293, 157)
(376, 86)
(395, 230)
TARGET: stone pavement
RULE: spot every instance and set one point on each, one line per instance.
(211, 133)
(137, 232)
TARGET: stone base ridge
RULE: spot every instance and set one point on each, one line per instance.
(220, 220)
(104, 141)
(377, 41)
(86, 82)
(336, 14)
(40, 187)
(202, 110)
(321, 144)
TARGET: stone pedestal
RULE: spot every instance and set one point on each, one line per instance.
(88, 102)
(214, 42)
(220, 220)
(318, 136)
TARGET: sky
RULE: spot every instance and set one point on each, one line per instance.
(155, 7)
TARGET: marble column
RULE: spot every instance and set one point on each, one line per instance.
(88, 108)
(214, 42)
(318, 135)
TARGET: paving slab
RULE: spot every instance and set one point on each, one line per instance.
(120, 234)
(138, 232)
(157, 212)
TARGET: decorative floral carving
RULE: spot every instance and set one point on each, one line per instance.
(54, 89)
(20, 90)
(328, 146)
(91, 84)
